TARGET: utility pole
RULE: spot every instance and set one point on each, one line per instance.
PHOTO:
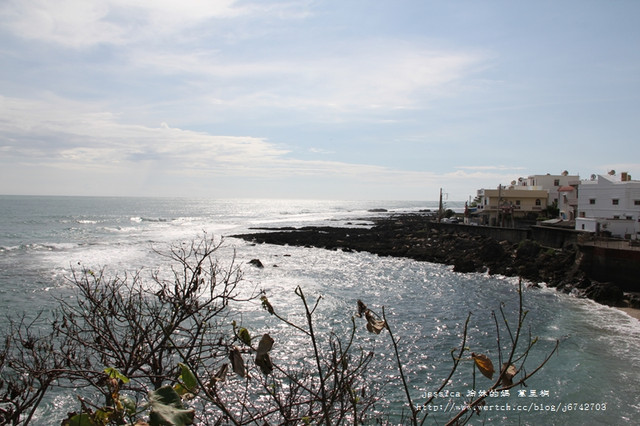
(500, 205)
(440, 207)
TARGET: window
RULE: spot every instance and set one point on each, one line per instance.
(616, 217)
(636, 202)
(582, 214)
(615, 201)
(592, 201)
(517, 202)
(538, 202)
(556, 182)
(629, 217)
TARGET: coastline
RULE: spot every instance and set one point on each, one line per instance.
(413, 236)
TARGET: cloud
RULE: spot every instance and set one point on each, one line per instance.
(186, 45)
(390, 75)
(65, 22)
(320, 151)
(371, 77)
(81, 138)
(164, 68)
(63, 131)
(490, 167)
(82, 24)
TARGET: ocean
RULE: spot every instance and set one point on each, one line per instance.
(592, 379)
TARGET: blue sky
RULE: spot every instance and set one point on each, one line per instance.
(313, 99)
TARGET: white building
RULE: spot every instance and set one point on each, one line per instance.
(551, 184)
(562, 190)
(497, 206)
(610, 203)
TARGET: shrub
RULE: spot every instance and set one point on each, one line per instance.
(169, 351)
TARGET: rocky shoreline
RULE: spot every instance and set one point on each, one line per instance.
(411, 236)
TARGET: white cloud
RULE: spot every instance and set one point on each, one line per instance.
(83, 23)
(58, 130)
(320, 151)
(73, 23)
(491, 167)
(376, 76)
(391, 75)
(178, 42)
(76, 137)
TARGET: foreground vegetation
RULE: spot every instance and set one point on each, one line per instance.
(169, 350)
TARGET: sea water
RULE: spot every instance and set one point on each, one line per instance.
(593, 378)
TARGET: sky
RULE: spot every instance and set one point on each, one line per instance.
(344, 99)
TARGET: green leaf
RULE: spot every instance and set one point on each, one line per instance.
(129, 404)
(115, 374)
(180, 389)
(102, 416)
(167, 409)
(80, 420)
(188, 378)
(244, 335)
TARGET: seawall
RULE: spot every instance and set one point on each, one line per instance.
(611, 264)
(543, 235)
(612, 261)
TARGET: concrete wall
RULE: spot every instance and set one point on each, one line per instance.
(605, 264)
(500, 234)
(612, 265)
(544, 235)
(554, 237)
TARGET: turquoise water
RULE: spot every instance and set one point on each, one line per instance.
(42, 238)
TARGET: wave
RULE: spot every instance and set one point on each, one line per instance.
(38, 247)
(138, 219)
(86, 221)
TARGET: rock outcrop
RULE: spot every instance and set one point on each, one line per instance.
(411, 236)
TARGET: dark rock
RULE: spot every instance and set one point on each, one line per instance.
(527, 249)
(491, 250)
(583, 283)
(464, 265)
(564, 287)
(256, 263)
(633, 300)
(605, 293)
